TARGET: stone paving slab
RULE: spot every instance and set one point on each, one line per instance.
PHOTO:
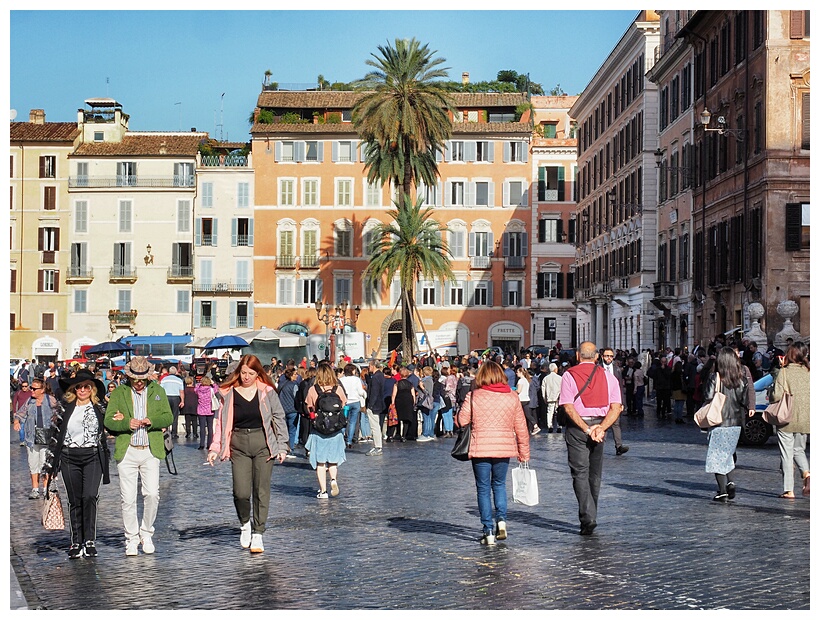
(403, 534)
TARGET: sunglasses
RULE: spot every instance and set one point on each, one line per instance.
(84, 386)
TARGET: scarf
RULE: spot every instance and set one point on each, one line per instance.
(497, 387)
(597, 393)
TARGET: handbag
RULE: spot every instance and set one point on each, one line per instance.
(214, 402)
(711, 414)
(461, 448)
(53, 518)
(780, 413)
(41, 436)
(392, 416)
(168, 441)
(525, 485)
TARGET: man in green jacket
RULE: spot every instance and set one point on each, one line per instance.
(136, 415)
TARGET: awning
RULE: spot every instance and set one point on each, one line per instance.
(46, 351)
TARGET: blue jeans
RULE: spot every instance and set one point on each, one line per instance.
(678, 409)
(428, 421)
(447, 420)
(491, 473)
(292, 419)
(639, 399)
(354, 412)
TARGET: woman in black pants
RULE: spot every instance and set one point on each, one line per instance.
(80, 451)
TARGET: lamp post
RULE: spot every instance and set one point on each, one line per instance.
(326, 319)
(722, 129)
(338, 319)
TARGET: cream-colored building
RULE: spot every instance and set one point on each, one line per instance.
(223, 243)
(39, 310)
(131, 204)
(617, 204)
(554, 152)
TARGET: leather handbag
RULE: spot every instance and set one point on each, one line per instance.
(168, 442)
(780, 413)
(711, 414)
(53, 518)
(461, 448)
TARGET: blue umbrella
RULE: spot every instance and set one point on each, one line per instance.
(106, 348)
(226, 342)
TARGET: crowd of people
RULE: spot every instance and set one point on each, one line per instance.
(257, 414)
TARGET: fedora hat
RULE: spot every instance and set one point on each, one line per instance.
(82, 376)
(138, 368)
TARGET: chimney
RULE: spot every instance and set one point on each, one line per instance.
(37, 117)
(465, 77)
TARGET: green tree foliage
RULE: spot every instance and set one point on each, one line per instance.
(413, 246)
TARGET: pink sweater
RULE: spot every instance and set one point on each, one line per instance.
(499, 428)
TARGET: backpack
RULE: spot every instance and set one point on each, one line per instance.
(330, 412)
(464, 387)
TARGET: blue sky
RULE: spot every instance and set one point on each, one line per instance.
(169, 68)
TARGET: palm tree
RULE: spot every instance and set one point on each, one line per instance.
(404, 118)
(411, 245)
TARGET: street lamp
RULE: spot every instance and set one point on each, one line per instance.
(338, 319)
(722, 129)
(326, 319)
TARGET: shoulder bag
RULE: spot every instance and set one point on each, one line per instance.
(561, 412)
(53, 518)
(711, 414)
(168, 440)
(780, 413)
(461, 448)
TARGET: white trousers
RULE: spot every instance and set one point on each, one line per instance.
(142, 464)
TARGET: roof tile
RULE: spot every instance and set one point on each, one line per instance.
(146, 144)
(43, 132)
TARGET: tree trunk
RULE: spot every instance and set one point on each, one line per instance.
(408, 344)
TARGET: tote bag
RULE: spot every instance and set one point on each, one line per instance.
(779, 413)
(525, 485)
(711, 414)
(53, 518)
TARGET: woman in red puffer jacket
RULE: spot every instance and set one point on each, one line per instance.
(499, 431)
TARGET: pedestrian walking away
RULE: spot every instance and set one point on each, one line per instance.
(252, 433)
(325, 451)
(136, 415)
(79, 451)
(609, 365)
(793, 438)
(592, 401)
(498, 432)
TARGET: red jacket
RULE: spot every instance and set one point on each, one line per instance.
(499, 428)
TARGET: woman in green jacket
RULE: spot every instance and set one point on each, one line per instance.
(792, 438)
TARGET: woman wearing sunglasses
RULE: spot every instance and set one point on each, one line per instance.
(80, 450)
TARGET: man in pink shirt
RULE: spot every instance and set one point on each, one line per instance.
(589, 416)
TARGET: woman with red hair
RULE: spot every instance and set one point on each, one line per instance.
(251, 432)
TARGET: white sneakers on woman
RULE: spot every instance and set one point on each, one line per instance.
(256, 543)
(245, 535)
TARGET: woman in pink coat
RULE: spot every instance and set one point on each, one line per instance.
(499, 431)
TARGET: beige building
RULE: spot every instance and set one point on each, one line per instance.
(554, 153)
(617, 202)
(39, 309)
(130, 203)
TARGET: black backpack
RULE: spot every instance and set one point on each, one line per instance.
(331, 412)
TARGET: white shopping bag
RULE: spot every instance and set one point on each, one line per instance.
(525, 485)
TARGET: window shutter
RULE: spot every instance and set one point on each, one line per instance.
(525, 197)
(506, 196)
(354, 148)
(805, 140)
(489, 294)
(542, 230)
(448, 151)
(232, 320)
(505, 244)
(300, 292)
(491, 194)
(299, 150)
(320, 284)
(571, 226)
(794, 225)
(524, 152)
(559, 230)
(448, 190)
(213, 232)
(525, 244)
(250, 232)
(471, 249)
(250, 315)
(198, 231)
(438, 156)
(506, 152)
(439, 292)
(43, 162)
(126, 263)
(795, 32)
(490, 151)
(570, 285)
(445, 300)
(490, 241)
(560, 291)
(41, 239)
(334, 151)
(561, 183)
(213, 313)
(542, 183)
(196, 313)
(320, 154)
(233, 232)
(40, 276)
(469, 150)
(277, 151)
(505, 292)
(539, 287)
(470, 293)
(470, 193)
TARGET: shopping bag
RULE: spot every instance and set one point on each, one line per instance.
(711, 414)
(525, 485)
(779, 413)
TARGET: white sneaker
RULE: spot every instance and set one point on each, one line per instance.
(535, 430)
(131, 548)
(256, 543)
(147, 545)
(334, 488)
(501, 530)
(245, 535)
(488, 539)
(424, 438)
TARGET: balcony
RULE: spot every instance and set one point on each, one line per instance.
(171, 181)
(122, 274)
(664, 291)
(515, 262)
(619, 285)
(119, 319)
(225, 161)
(285, 261)
(480, 262)
(180, 274)
(79, 275)
(309, 262)
(600, 291)
(222, 287)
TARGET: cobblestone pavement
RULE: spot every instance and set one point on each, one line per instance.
(403, 534)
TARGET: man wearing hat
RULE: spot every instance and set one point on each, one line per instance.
(136, 414)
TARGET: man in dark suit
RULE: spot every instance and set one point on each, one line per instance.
(609, 365)
(375, 405)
